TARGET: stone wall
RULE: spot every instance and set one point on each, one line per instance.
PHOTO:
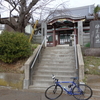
(12, 80)
(36, 39)
(86, 38)
(91, 51)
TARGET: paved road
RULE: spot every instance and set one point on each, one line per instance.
(10, 94)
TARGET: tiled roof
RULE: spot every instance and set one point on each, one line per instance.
(73, 13)
(82, 11)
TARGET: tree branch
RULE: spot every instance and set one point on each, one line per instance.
(5, 21)
(31, 5)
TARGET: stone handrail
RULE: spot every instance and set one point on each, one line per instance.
(81, 63)
(30, 63)
(27, 68)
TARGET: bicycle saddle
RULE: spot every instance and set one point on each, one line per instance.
(74, 78)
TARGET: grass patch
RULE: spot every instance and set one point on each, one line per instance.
(92, 65)
(34, 46)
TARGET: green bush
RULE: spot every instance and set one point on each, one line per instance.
(14, 46)
(87, 45)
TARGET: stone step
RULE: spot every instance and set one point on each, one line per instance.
(62, 51)
(59, 61)
(60, 47)
(67, 58)
(94, 86)
(58, 56)
(67, 62)
(55, 72)
(62, 70)
(58, 53)
(35, 88)
(96, 92)
(49, 77)
(50, 68)
(42, 84)
(47, 83)
(95, 97)
(55, 64)
(58, 50)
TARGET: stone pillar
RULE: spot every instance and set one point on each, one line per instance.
(58, 38)
(80, 33)
(75, 29)
(44, 32)
(54, 37)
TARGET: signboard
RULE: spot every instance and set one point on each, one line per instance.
(95, 34)
(28, 29)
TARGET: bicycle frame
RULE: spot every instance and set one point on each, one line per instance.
(67, 91)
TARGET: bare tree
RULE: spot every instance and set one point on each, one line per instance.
(24, 10)
(48, 13)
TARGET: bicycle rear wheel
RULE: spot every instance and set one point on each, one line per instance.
(82, 92)
(53, 92)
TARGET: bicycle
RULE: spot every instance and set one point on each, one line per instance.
(79, 91)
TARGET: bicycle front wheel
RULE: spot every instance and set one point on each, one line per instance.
(82, 92)
(53, 92)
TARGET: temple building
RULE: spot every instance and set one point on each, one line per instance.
(61, 24)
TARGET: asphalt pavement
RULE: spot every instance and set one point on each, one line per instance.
(12, 94)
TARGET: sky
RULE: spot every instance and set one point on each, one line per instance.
(72, 3)
(67, 4)
(78, 3)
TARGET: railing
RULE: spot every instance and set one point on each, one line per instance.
(76, 56)
(76, 59)
(38, 53)
(79, 61)
(73, 39)
(30, 64)
(37, 58)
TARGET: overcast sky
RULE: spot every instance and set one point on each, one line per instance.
(78, 3)
(67, 4)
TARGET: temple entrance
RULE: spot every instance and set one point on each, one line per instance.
(64, 39)
(60, 31)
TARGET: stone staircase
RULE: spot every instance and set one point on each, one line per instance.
(59, 61)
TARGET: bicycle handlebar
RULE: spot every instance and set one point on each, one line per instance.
(55, 79)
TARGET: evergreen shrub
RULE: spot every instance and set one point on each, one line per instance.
(14, 46)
